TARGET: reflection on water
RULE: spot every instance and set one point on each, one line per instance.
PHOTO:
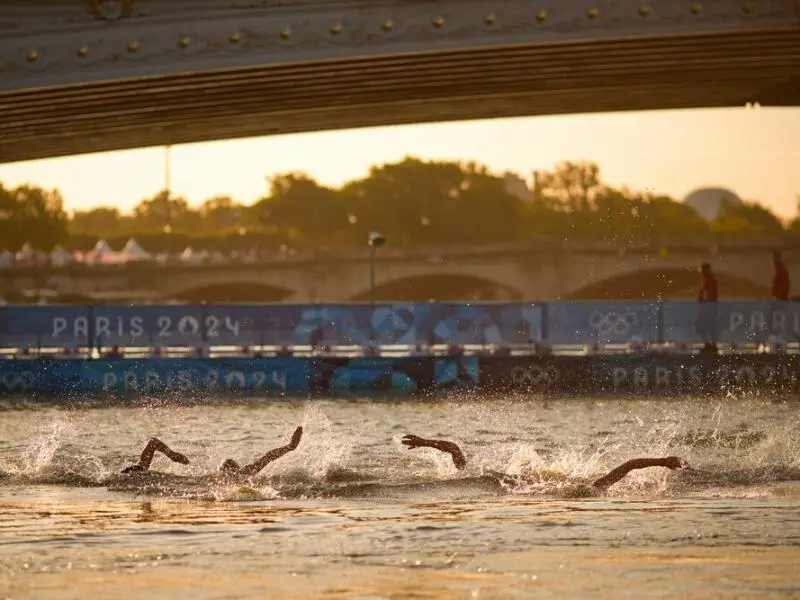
(353, 514)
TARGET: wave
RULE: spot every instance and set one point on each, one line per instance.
(352, 484)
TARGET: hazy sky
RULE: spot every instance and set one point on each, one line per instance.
(754, 152)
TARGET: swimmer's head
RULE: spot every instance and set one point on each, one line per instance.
(673, 462)
(230, 466)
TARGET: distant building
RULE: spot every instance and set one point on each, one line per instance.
(517, 186)
(708, 201)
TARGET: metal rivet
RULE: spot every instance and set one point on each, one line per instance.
(387, 25)
(286, 33)
(336, 28)
(32, 56)
(645, 11)
(184, 42)
(133, 46)
(235, 37)
(696, 8)
(438, 22)
(593, 13)
(83, 51)
(541, 16)
(490, 19)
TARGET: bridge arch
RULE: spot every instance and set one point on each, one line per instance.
(669, 283)
(440, 287)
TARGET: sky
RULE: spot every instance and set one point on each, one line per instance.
(755, 152)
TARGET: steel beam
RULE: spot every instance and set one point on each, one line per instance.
(174, 71)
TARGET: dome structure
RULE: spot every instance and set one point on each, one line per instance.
(708, 201)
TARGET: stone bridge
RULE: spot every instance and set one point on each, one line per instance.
(81, 76)
(532, 271)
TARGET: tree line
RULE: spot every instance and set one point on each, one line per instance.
(411, 202)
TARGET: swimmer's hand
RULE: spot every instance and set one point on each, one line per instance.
(414, 441)
(295, 441)
(134, 469)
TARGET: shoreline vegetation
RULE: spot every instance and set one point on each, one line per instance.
(413, 203)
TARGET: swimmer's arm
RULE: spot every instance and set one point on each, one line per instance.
(414, 441)
(670, 462)
(256, 466)
(156, 445)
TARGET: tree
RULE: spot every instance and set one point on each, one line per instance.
(572, 186)
(222, 213)
(748, 218)
(416, 202)
(29, 214)
(413, 202)
(164, 211)
(102, 221)
(307, 212)
(794, 224)
(488, 211)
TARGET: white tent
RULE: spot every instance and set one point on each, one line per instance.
(101, 247)
(102, 254)
(6, 258)
(190, 257)
(28, 256)
(133, 251)
(218, 258)
(251, 257)
(61, 257)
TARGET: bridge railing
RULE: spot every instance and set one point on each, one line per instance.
(555, 323)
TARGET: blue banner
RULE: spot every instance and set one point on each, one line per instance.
(602, 322)
(44, 326)
(512, 323)
(153, 375)
(147, 325)
(250, 324)
(397, 324)
(365, 374)
(284, 374)
(726, 322)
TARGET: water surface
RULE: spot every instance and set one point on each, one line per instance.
(353, 514)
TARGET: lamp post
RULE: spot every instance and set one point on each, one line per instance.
(167, 169)
(167, 187)
(376, 240)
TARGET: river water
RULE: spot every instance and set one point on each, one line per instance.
(354, 514)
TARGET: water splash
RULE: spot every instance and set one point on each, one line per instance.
(540, 450)
(39, 454)
(325, 448)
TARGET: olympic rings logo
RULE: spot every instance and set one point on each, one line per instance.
(17, 381)
(613, 322)
(535, 375)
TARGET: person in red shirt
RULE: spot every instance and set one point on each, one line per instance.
(707, 295)
(708, 291)
(780, 281)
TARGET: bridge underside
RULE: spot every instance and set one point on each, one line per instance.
(690, 71)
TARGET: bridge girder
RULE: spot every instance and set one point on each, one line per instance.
(179, 71)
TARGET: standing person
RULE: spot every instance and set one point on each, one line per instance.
(780, 280)
(780, 293)
(707, 296)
